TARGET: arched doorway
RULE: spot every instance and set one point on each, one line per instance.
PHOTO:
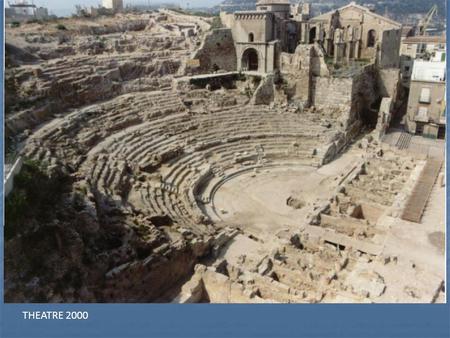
(312, 35)
(250, 59)
(371, 37)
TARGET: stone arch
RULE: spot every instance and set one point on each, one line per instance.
(330, 50)
(312, 34)
(250, 59)
(371, 38)
(251, 37)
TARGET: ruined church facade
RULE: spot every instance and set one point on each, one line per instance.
(354, 32)
(349, 33)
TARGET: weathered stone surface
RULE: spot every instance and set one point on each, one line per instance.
(217, 52)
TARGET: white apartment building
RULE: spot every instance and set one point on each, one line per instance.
(426, 103)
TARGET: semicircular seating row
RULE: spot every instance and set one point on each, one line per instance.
(112, 144)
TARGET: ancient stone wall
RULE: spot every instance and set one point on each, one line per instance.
(353, 100)
(227, 19)
(389, 52)
(217, 51)
(318, 65)
(298, 68)
(265, 92)
(147, 280)
(344, 90)
(295, 69)
(364, 86)
(331, 91)
(384, 117)
(388, 82)
(207, 285)
(365, 96)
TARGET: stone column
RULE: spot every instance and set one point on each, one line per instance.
(356, 50)
(348, 48)
(305, 32)
(336, 52)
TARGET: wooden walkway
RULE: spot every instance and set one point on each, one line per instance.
(415, 206)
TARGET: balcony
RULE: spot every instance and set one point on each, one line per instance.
(421, 118)
(422, 115)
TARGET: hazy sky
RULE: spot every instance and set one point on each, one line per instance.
(66, 7)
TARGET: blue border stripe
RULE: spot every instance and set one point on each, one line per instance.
(2, 146)
(202, 320)
(447, 128)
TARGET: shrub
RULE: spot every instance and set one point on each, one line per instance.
(216, 23)
(61, 27)
(329, 60)
(248, 92)
(35, 196)
(15, 24)
(40, 22)
(15, 205)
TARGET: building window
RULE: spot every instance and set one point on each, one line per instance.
(441, 133)
(371, 37)
(422, 113)
(425, 95)
(251, 37)
(421, 48)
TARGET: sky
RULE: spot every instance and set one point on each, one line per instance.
(67, 7)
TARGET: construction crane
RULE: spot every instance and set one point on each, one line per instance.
(423, 25)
